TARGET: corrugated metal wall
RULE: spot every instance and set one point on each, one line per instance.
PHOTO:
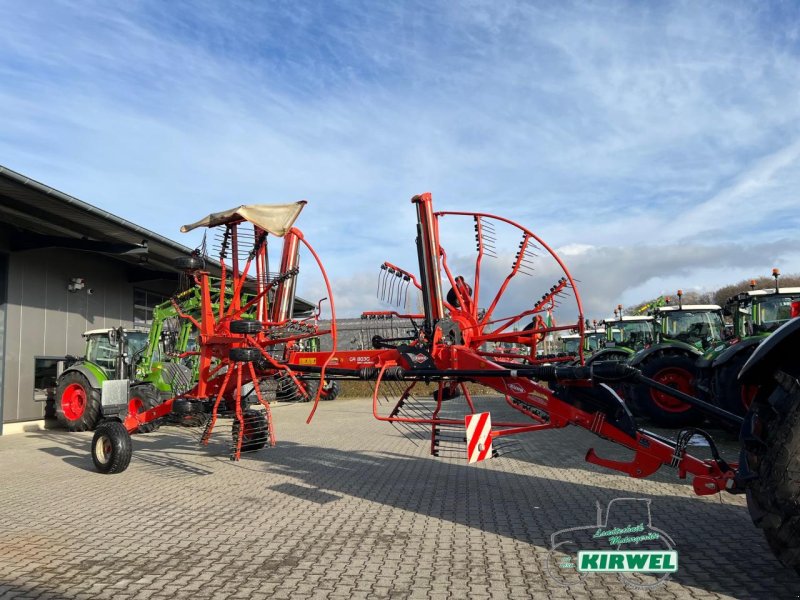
(45, 319)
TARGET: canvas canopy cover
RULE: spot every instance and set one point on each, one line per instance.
(277, 219)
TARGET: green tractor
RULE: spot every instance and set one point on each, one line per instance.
(593, 338)
(683, 333)
(625, 336)
(756, 314)
(152, 361)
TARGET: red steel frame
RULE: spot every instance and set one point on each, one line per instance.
(527, 396)
(223, 381)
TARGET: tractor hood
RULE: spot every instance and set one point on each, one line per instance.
(277, 219)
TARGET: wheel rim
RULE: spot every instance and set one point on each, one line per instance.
(73, 401)
(675, 377)
(103, 449)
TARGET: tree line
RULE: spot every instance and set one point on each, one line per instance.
(718, 296)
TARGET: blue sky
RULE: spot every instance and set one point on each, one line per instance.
(655, 143)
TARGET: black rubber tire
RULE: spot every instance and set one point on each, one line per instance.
(244, 354)
(728, 392)
(256, 432)
(330, 391)
(149, 398)
(641, 396)
(189, 263)
(89, 415)
(246, 326)
(452, 298)
(447, 394)
(773, 498)
(111, 447)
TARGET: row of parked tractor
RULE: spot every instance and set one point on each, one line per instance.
(698, 349)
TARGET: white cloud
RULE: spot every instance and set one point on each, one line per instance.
(615, 131)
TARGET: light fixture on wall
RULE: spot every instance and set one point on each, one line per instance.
(76, 283)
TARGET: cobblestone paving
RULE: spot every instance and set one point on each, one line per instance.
(346, 507)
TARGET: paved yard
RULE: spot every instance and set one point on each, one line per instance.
(344, 508)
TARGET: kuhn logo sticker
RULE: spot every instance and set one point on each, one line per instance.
(419, 358)
(515, 387)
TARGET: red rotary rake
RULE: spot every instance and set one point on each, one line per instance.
(245, 332)
(453, 341)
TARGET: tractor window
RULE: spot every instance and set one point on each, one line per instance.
(771, 314)
(102, 352)
(137, 344)
(571, 345)
(637, 333)
(696, 328)
(593, 341)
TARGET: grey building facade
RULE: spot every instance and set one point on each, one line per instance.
(67, 267)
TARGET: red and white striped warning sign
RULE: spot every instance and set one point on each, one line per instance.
(479, 439)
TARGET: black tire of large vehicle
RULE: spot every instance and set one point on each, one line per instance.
(255, 422)
(111, 447)
(330, 391)
(246, 326)
(91, 413)
(728, 390)
(641, 394)
(150, 399)
(244, 354)
(773, 499)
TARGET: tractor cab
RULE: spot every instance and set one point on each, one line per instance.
(105, 348)
(698, 325)
(592, 341)
(760, 312)
(633, 332)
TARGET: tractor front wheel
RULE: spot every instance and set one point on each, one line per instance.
(111, 447)
(676, 371)
(141, 399)
(77, 403)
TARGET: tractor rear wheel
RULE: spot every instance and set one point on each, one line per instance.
(77, 403)
(677, 371)
(731, 394)
(111, 447)
(773, 498)
(142, 398)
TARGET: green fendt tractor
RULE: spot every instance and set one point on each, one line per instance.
(625, 336)
(151, 360)
(593, 338)
(683, 334)
(756, 314)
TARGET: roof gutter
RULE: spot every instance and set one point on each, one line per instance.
(67, 199)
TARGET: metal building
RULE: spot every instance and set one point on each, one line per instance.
(67, 267)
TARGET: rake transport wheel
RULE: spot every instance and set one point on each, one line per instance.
(246, 326)
(256, 432)
(77, 402)
(677, 371)
(111, 447)
(773, 499)
(142, 398)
